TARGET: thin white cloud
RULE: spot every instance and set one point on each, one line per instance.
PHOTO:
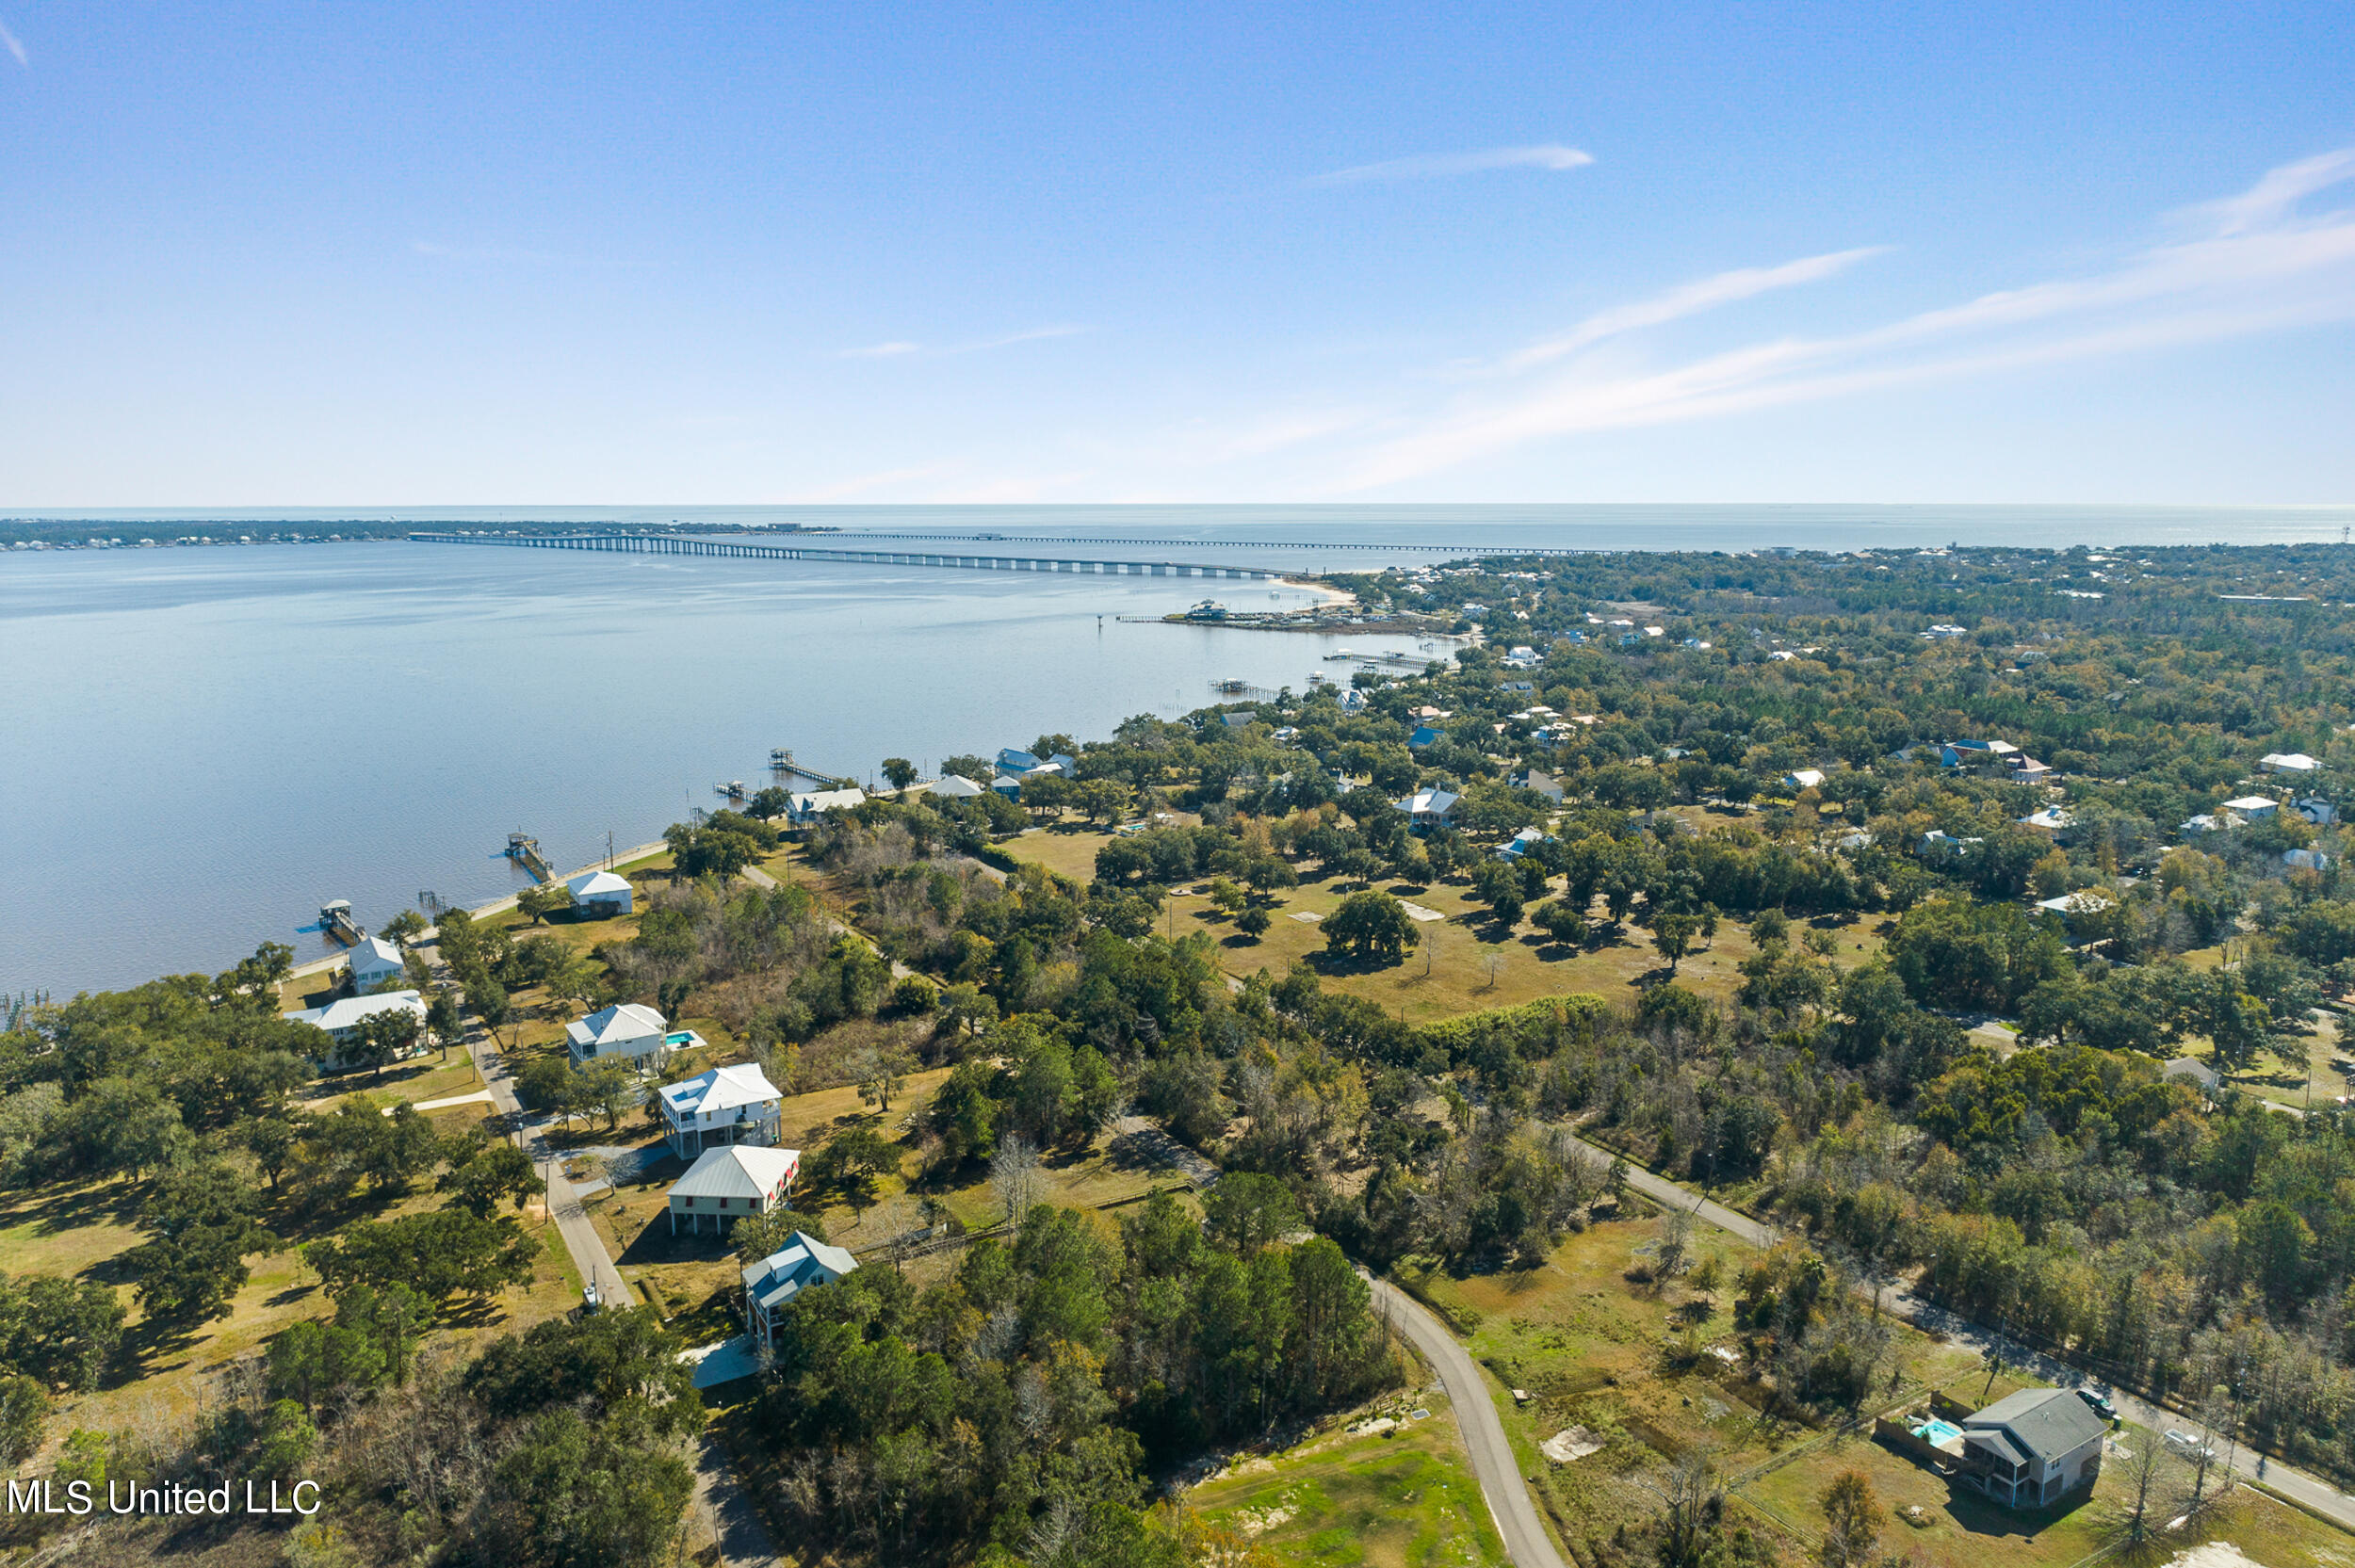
(902, 349)
(1691, 298)
(1553, 156)
(14, 48)
(2259, 265)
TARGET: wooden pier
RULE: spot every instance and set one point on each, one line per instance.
(667, 544)
(525, 851)
(336, 921)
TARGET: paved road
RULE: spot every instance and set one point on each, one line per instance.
(1501, 1481)
(2314, 1493)
(743, 1540)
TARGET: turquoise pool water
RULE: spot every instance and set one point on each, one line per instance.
(1935, 1431)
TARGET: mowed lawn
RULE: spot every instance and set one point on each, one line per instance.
(1400, 1498)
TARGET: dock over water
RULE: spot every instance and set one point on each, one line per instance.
(668, 544)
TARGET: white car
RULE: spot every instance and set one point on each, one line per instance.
(2186, 1446)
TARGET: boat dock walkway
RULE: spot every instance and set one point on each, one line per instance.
(666, 544)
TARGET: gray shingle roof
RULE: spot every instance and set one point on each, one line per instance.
(2046, 1422)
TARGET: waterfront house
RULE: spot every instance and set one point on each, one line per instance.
(2288, 761)
(806, 808)
(1428, 808)
(630, 1031)
(953, 786)
(721, 1107)
(774, 1281)
(373, 962)
(340, 1019)
(602, 893)
(1013, 761)
(727, 1183)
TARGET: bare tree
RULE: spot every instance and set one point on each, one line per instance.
(1675, 1244)
(1691, 1497)
(1014, 1177)
(2145, 1474)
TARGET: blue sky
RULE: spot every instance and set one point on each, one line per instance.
(419, 253)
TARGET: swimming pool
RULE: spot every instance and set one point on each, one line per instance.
(1935, 1431)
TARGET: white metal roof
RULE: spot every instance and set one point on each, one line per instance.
(827, 799)
(2248, 803)
(721, 1089)
(2293, 762)
(343, 1012)
(598, 885)
(954, 786)
(374, 953)
(740, 1170)
(620, 1021)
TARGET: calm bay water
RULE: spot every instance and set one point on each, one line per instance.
(202, 746)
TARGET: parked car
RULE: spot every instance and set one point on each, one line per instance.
(2098, 1403)
(2185, 1446)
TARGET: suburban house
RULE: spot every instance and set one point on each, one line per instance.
(2052, 821)
(341, 1018)
(2306, 860)
(602, 893)
(1544, 784)
(806, 808)
(1521, 843)
(1975, 754)
(1424, 736)
(1010, 787)
(2024, 1450)
(2072, 907)
(627, 1029)
(1940, 842)
(1428, 808)
(2208, 822)
(1019, 763)
(1802, 778)
(374, 962)
(2252, 808)
(953, 786)
(729, 1183)
(723, 1107)
(2316, 810)
(776, 1279)
(2288, 761)
(2194, 1071)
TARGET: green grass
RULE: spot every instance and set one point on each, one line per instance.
(1399, 1499)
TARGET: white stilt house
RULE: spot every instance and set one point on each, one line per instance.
(725, 1185)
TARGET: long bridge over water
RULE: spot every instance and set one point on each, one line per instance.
(671, 544)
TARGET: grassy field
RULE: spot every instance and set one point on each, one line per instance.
(1401, 1496)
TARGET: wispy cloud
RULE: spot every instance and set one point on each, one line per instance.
(15, 48)
(1551, 156)
(1691, 298)
(2252, 262)
(902, 349)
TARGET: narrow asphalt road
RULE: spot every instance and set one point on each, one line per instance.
(2311, 1491)
(1500, 1479)
(742, 1536)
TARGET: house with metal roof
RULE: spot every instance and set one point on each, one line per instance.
(2288, 761)
(721, 1107)
(602, 893)
(2034, 1447)
(374, 961)
(811, 804)
(340, 1019)
(953, 786)
(1428, 808)
(772, 1282)
(729, 1183)
(627, 1029)
(2252, 808)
